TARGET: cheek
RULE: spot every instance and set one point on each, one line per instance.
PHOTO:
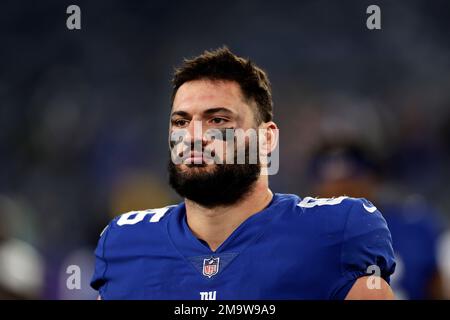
(218, 147)
(178, 137)
(224, 152)
(179, 149)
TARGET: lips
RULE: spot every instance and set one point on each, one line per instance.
(195, 154)
(194, 157)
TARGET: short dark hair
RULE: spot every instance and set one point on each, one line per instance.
(222, 64)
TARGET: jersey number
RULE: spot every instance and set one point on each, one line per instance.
(310, 202)
(134, 217)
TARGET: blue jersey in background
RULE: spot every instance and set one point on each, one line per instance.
(415, 232)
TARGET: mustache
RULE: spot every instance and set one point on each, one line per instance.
(206, 154)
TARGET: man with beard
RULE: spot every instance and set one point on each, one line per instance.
(231, 237)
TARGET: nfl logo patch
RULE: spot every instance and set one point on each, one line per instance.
(210, 267)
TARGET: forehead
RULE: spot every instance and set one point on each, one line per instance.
(198, 95)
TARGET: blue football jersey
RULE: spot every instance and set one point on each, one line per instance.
(293, 249)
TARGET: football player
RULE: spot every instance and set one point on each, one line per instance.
(232, 237)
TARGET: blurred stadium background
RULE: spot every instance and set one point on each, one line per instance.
(84, 118)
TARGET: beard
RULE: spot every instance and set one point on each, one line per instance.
(214, 185)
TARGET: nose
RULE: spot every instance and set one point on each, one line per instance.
(195, 135)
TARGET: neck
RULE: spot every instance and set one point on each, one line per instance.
(215, 225)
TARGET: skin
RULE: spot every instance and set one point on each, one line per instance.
(360, 291)
(193, 101)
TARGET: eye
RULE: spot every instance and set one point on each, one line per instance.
(180, 122)
(218, 120)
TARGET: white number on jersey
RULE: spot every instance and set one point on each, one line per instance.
(138, 216)
(310, 202)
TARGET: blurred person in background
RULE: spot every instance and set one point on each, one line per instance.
(347, 166)
(22, 267)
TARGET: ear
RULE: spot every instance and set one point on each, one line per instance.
(268, 136)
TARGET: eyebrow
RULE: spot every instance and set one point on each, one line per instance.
(179, 113)
(206, 112)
